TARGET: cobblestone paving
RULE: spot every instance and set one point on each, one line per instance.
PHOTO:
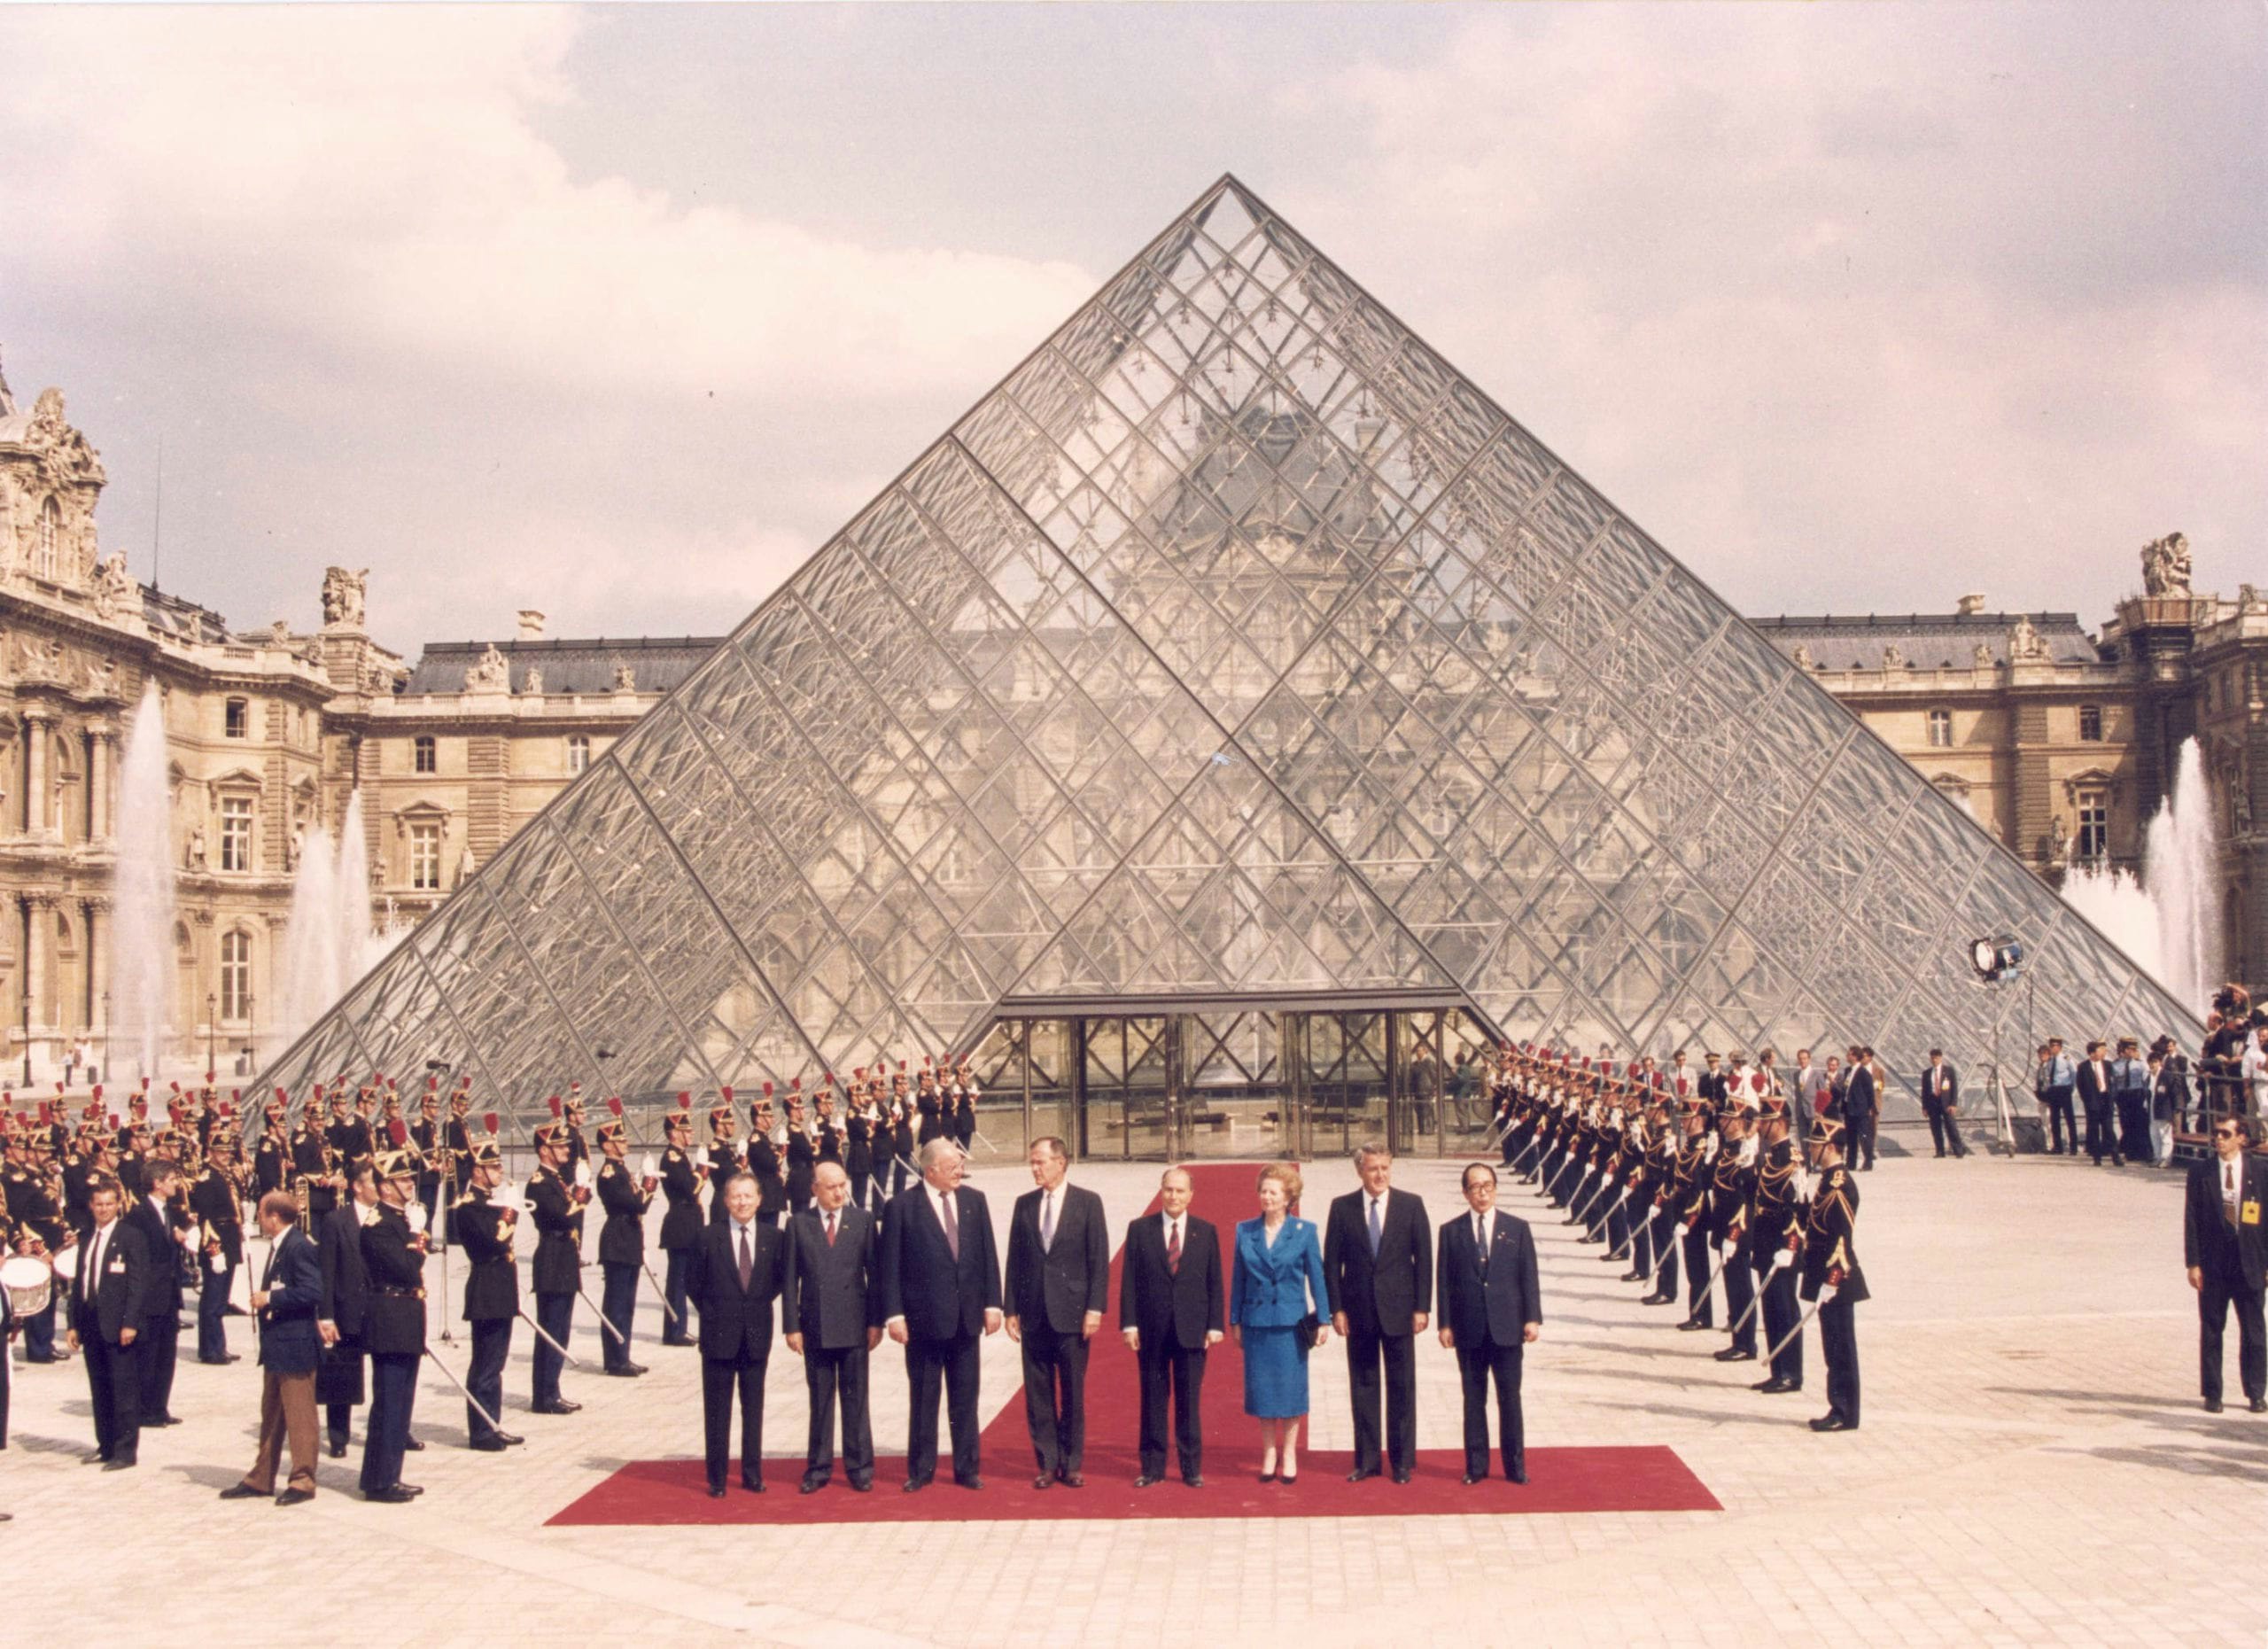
(2033, 1468)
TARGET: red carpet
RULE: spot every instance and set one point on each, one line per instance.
(1639, 1479)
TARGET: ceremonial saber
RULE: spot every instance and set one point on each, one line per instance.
(1826, 1294)
(476, 1404)
(1606, 1184)
(622, 1339)
(1780, 1263)
(669, 1310)
(1669, 1253)
(573, 1360)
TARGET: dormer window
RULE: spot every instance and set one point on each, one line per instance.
(235, 719)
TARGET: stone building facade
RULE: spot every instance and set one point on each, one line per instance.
(2060, 742)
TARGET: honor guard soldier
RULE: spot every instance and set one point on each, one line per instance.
(1831, 1263)
(492, 1292)
(1732, 1188)
(458, 1167)
(1690, 1201)
(681, 1178)
(216, 1199)
(622, 1247)
(725, 1159)
(763, 1152)
(803, 1154)
(578, 1148)
(34, 1204)
(858, 1141)
(1779, 1217)
(312, 1159)
(433, 1152)
(273, 1152)
(558, 1272)
(393, 1332)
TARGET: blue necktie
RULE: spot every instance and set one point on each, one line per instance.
(1376, 1231)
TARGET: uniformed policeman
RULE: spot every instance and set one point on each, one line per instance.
(558, 1272)
(491, 1292)
(681, 1178)
(1831, 1263)
(393, 1331)
(622, 1246)
(1780, 1213)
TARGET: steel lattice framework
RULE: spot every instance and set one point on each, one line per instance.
(1233, 642)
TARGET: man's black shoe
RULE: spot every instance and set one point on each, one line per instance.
(413, 1445)
(557, 1405)
(1402, 1475)
(295, 1497)
(1471, 1478)
(395, 1495)
(337, 1447)
(119, 1463)
(99, 1457)
(716, 1492)
(243, 1491)
(2212, 1406)
(1043, 1482)
(914, 1485)
(1659, 1298)
(1072, 1479)
(1195, 1480)
(1693, 1324)
(970, 1481)
(862, 1485)
(810, 1485)
(509, 1439)
(1831, 1422)
(488, 1445)
(1734, 1354)
(1148, 1482)
(755, 1486)
(1359, 1474)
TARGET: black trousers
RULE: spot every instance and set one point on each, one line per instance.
(1476, 1366)
(1171, 1370)
(1055, 1396)
(160, 1345)
(2134, 1126)
(39, 1328)
(720, 1379)
(677, 1284)
(1861, 1131)
(491, 1343)
(2102, 1136)
(2220, 1292)
(1700, 1298)
(1664, 1243)
(115, 1387)
(1838, 1339)
(618, 1305)
(212, 1310)
(953, 1362)
(555, 1314)
(1740, 1294)
(881, 1192)
(1367, 1353)
(832, 1378)
(1945, 1131)
(394, 1392)
(1782, 1313)
(2060, 1119)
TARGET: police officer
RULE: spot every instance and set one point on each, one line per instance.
(622, 1247)
(1830, 1262)
(491, 1293)
(1779, 1217)
(680, 1221)
(558, 1272)
(393, 1332)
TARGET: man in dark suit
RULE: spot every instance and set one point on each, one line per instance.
(1058, 1284)
(834, 1319)
(393, 1330)
(1378, 1258)
(285, 1302)
(2094, 1098)
(622, 1246)
(2225, 1246)
(1941, 1099)
(738, 1273)
(162, 1221)
(1491, 1308)
(1862, 1110)
(109, 1302)
(558, 1273)
(491, 1293)
(941, 1293)
(346, 1304)
(1171, 1309)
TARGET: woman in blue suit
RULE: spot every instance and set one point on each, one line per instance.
(1278, 1309)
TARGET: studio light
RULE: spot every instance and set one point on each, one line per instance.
(1998, 956)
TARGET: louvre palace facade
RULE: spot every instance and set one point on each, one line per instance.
(1296, 720)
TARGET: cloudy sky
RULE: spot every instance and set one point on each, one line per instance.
(618, 313)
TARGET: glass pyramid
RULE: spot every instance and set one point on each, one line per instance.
(1234, 643)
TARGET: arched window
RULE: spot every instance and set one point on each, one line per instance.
(47, 541)
(236, 974)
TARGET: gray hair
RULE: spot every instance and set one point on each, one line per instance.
(936, 1151)
(1370, 1148)
(1054, 1143)
(1171, 1172)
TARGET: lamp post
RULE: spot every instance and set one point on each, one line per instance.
(211, 1026)
(106, 1036)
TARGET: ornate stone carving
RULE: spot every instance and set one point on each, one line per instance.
(1982, 657)
(342, 597)
(1894, 657)
(65, 456)
(625, 678)
(1803, 655)
(491, 673)
(2025, 644)
(2165, 566)
(116, 594)
(196, 857)
(532, 682)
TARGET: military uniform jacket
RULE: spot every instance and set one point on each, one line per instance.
(1731, 1186)
(764, 1162)
(1778, 1212)
(33, 1210)
(681, 1192)
(492, 1287)
(724, 1161)
(622, 1238)
(1688, 1186)
(267, 1166)
(396, 1323)
(213, 1199)
(802, 1160)
(559, 1235)
(308, 1161)
(859, 1148)
(1827, 1237)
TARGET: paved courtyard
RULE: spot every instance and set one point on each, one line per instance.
(2034, 1468)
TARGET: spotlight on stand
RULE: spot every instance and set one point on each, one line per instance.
(2001, 956)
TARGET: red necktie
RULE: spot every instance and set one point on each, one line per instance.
(748, 1257)
(1173, 1248)
(830, 1228)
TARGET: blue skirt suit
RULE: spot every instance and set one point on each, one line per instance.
(1276, 1296)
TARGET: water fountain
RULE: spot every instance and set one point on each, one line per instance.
(2164, 919)
(329, 941)
(142, 929)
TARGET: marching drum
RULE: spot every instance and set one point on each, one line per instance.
(30, 1284)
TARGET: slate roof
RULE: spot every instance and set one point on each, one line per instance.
(569, 667)
(1929, 640)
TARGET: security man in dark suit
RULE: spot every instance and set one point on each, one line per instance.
(941, 1293)
(492, 1292)
(161, 1219)
(1491, 1307)
(738, 1273)
(1830, 1260)
(1941, 1100)
(833, 1313)
(109, 1302)
(558, 1272)
(1862, 1110)
(394, 1333)
(1172, 1309)
(680, 1221)
(2094, 1098)
(1377, 1259)
(346, 1304)
(622, 1247)
(1058, 1284)
(288, 1294)
(2225, 1244)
